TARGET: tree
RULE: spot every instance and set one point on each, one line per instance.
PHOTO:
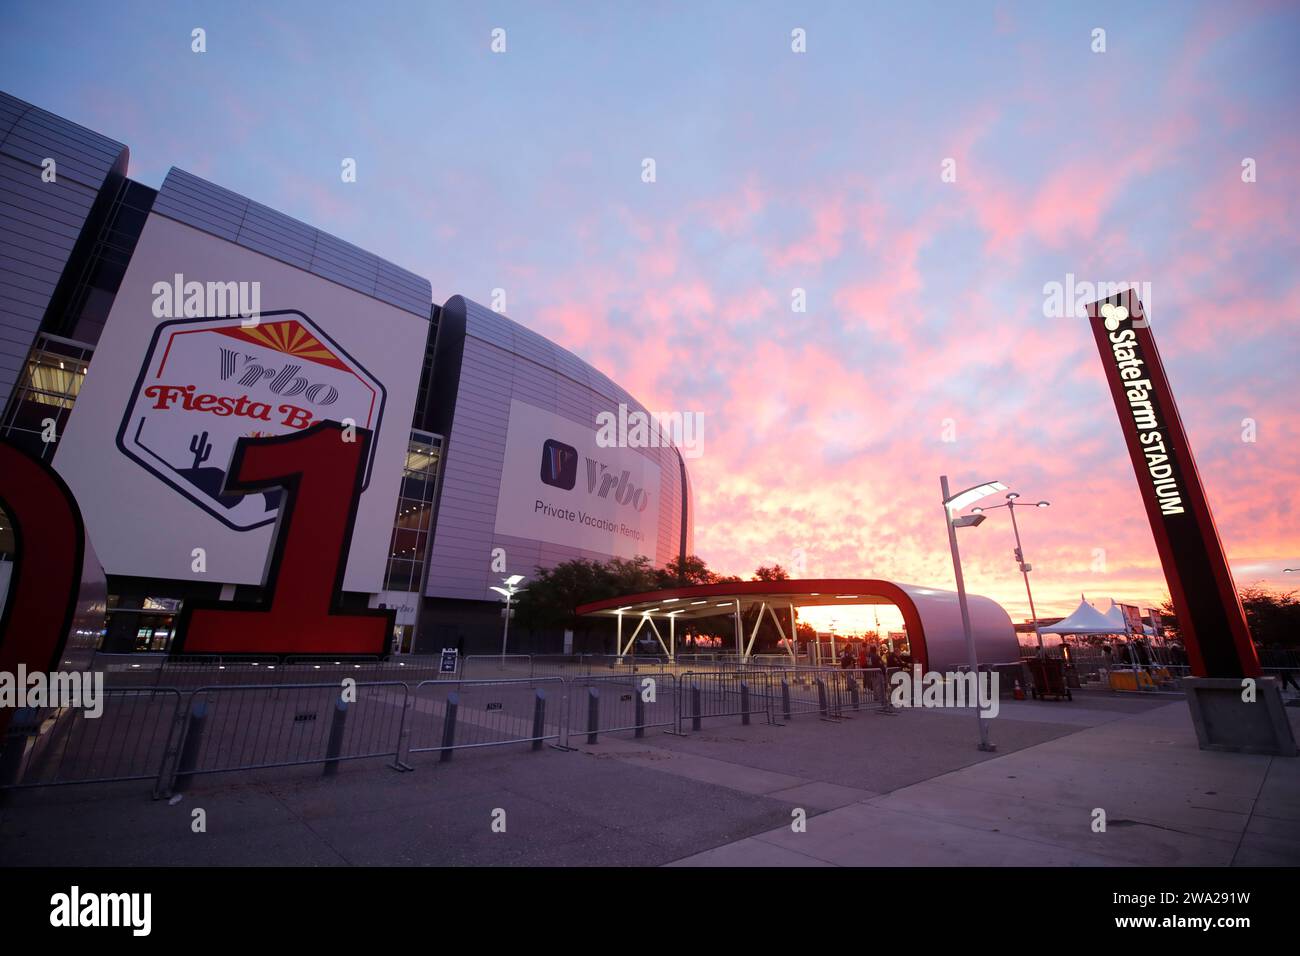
(774, 573)
(555, 593)
(1273, 617)
(685, 571)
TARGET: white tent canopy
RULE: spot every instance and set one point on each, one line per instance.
(1086, 619)
(1116, 616)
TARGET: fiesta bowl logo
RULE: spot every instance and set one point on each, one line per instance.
(206, 383)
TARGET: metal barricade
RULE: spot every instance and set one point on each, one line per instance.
(702, 695)
(583, 665)
(497, 667)
(619, 703)
(195, 674)
(798, 691)
(254, 727)
(126, 741)
(559, 665)
(414, 668)
(447, 716)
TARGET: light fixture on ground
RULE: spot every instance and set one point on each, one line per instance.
(508, 592)
(952, 504)
(1025, 567)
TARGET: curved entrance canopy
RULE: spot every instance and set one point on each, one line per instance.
(932, 617)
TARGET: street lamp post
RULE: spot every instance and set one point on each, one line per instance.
(508, 592)
(1025, 567)
(951, 504)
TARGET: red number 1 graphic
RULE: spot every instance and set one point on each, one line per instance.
(321, 471)
(49, 545)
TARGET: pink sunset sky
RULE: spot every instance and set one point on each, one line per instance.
(825, 430)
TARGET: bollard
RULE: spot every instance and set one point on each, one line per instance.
(593, 714)
(539, 718)
(640, 714)
(335, 745)
(785, 698)
(821, 698)
(695, 705)
(853, 693)
(886, 705)
(193, 743)
(449, 727)
(744, 703)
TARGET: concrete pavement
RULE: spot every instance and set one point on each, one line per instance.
(1164, 801)
(876, 790)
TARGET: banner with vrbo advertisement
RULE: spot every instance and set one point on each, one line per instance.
(183, 371)
(560, 485)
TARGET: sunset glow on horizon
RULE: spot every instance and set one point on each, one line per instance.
(925, 347)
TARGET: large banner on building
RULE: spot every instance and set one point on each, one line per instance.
(559, 485)
(182, 371)
(1210, 615)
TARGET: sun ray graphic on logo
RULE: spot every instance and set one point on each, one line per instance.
(289, 337)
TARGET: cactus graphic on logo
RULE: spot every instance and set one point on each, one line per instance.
(205, 383)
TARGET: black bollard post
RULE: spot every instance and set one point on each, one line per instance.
(193, 744)
(449, 727)
(335, 746)
(539, 718)
(593, 714)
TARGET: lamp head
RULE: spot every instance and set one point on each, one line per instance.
(1012, 495)
(971, 495)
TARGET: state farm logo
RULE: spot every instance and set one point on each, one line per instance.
(1114, 315)
(205, 383)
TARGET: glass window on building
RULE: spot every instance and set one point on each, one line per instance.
(412, 526)
(45, 394)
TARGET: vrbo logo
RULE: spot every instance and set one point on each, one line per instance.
(638, 429)
(192, 300)
(560, 470)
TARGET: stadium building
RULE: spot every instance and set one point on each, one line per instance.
(143, 331)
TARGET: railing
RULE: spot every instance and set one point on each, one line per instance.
(253, 727)
(578, 665)
(142, 670)
(126, 741)
(706, 695)
(497, 666)
(457, 715)
(610, 704)
(172, 735)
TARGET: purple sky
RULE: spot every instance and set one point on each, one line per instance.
(825, 430)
